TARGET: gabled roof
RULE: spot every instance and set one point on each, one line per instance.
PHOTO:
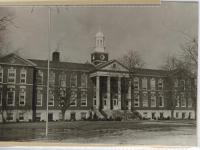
(16, 60)
(64, 65)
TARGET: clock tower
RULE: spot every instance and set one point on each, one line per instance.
(99, 55)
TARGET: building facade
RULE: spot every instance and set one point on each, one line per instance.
(103, 87)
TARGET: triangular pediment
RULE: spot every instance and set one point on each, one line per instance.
(113, 65)
(14, 59)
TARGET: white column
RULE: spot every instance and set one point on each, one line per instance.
(108, 92)
(119, 92)
(129, 94)
(97, 92)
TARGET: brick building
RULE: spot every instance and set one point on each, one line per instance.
(103, 86)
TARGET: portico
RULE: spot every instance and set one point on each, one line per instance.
(112, 88)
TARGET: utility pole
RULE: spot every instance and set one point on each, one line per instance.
(49, 49)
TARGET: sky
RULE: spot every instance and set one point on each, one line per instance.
(155, 32)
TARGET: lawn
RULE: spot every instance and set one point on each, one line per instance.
(181, 132)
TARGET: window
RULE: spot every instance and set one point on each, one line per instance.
(73, 98)
(10, 97)
(153, 84)
(136, 83)
(51, 98)
(62, 79)
(153, 99)
(136, 99)
(9, 116)
(161, 100)
(39, 97)
(11, 75)
(83, 98)
(182, 84)
(83, 115)
(73, 80)
(145, 99)
(160, 84)
(177, 101)
(84, 80)
(183, 100)
(21, 116)
(51, 78)
(22, 97)
(1, 74)
(23, 76)
(144, 83)
(189, 102)
(39, 77)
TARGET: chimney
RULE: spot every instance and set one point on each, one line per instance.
(56, 56)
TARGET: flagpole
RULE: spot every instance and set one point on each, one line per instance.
(49, 48)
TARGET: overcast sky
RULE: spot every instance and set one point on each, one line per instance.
(153, 31)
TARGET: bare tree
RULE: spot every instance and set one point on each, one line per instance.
(64, 97)
(131, 60)
(5, 21)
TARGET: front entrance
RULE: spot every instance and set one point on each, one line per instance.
(50, 116)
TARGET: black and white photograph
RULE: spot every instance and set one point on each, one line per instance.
(99, 75)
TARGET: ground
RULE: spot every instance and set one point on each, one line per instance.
(171, 133)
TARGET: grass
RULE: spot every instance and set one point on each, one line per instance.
(98, 131)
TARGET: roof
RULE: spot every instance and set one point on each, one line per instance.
(66, 65)
(154, 72)
(19, 59)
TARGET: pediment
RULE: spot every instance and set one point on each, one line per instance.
(113, 66)
(14, 59)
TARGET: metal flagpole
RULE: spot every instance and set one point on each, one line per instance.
(49, 48)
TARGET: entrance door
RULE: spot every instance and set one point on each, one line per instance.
(73, 116)
(50, 116)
